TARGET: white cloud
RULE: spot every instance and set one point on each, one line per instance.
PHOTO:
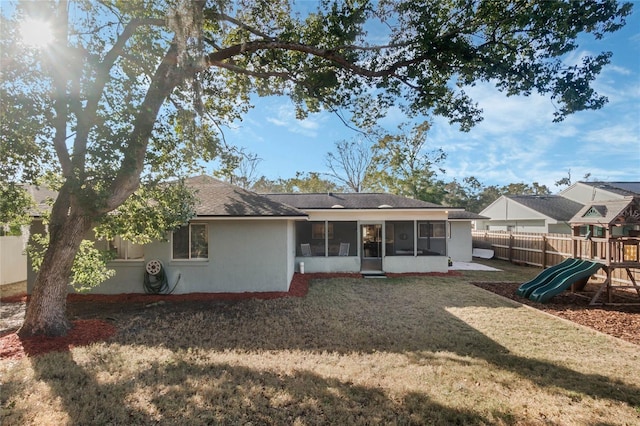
(284, 116)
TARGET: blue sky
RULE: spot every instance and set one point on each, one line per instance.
(516, 142)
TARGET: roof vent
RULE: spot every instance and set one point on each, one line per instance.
(385, 206)
(337, 206)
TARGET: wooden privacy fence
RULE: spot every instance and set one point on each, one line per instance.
(529, 248)
(543, 250)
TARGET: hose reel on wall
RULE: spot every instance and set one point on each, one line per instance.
(155, 278)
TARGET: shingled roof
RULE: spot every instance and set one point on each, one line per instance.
(626, 210)
(353, 201)
(621, 188)
(217, 198)
(553, 206)
(465, 215)
(43, 198)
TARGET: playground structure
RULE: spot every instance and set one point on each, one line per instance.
(605, 235)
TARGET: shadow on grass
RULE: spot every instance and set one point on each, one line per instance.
(358, 318)
(219, 393)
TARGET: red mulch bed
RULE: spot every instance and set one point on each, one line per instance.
(89, 331)
(83, 333)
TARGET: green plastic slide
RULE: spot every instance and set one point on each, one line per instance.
(545, 276)
(564, 279)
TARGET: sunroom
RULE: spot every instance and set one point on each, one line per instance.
(369, 233)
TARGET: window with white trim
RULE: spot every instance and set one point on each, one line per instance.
(121, 249)
(126, 250)
(190, 242)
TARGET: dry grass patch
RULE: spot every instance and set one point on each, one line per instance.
(399, 351)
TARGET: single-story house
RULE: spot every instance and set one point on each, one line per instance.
(241, 241)
(551, 213)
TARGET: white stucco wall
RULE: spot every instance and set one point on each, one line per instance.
(460, 244)
(13, 260)
(329, 264)
(400, 264)
(244, 256)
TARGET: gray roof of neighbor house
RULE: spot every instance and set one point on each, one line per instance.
(622, 188)
(553, 206)
(353, 201)
(43, 197)
(217, 198)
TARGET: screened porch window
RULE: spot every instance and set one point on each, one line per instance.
(191, 242)
(310, 240)
(326, 239)
(432, 238)
(399, 238)
(343, 238)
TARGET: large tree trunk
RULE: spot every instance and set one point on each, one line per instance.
(46, 310)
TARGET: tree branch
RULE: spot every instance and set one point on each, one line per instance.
(224, 17)
(214, 58)
(60, 105)
(166, 78)
(89, 114)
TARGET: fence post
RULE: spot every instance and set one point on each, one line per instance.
(544, 251)
(510, 247)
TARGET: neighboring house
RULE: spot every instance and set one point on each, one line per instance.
(586, 192)
(529, 213)
(551, 213)
(240, 241)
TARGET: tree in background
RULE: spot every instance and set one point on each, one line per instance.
(475, 197)
(402, 165)
(467, 194)
(241, 167)
(309, 182)
(351, 164)
(130, 94)
(566, 181)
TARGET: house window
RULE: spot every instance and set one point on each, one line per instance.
(126, 250)
(121, 249)
(432, 238)
(399, 238)
(191, 242)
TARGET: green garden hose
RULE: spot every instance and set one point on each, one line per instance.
(156, 280)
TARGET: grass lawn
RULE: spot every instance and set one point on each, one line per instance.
(427, 350)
